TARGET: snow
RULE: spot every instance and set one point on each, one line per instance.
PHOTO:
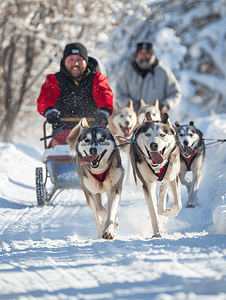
(53, 253)
(57, 150)
(169, 48)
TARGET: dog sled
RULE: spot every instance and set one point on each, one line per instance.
(60, 171)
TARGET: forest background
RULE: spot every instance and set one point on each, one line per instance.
(33, 34)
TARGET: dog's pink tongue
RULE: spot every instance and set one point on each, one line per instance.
(126, 131)
(156, 158)
(87, 159)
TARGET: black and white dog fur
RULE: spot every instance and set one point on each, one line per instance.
(155, 155)
(100, 170)
(192, 154)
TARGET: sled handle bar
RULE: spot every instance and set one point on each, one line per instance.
(63, 120)
(76, 119)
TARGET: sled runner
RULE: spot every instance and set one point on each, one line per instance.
(60, 168)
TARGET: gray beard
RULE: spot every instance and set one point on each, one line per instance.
(145, 63)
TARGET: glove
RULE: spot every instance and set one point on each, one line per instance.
(101, 119)
(53, 116)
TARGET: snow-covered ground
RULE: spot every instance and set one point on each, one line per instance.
(53, 252)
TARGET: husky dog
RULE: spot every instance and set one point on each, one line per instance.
(155, 155)
(100, 170)
(122, 123)
(192, 154)
(153, 109)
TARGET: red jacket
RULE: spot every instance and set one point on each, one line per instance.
(96, 84)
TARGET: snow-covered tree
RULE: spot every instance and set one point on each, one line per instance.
(33, 35)
(188, 35)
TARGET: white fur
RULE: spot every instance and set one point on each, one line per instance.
(92, 188)
(189, 136)
(146, 179)
(124, 117)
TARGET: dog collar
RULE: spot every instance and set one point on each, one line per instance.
(102, 176)
(122, 140)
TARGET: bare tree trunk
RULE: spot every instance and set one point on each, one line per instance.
(8, 87)
(12, 102)
(34, 42)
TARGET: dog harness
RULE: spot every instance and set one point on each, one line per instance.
(102, 176)
(162, 171)
(122, 141)
(188, 160)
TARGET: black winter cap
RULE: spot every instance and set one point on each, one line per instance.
(146, 46)
(75, 48)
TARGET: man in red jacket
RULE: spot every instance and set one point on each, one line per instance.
(78, 90)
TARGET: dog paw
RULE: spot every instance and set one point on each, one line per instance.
(158, 235)
(160, 212)
(190, 204)
(168, 213)
(108, 235)
(171, 212)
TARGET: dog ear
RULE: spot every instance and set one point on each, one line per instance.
(156, 103)
(130, 104)
(191, 123)
(116, 105)
(104, 122)
(177, 124)
(148, 117)
(84, 123)
(74, 134)
(165, 118)
(142, 103)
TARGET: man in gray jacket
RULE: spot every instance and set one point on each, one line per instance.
(146, 78)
